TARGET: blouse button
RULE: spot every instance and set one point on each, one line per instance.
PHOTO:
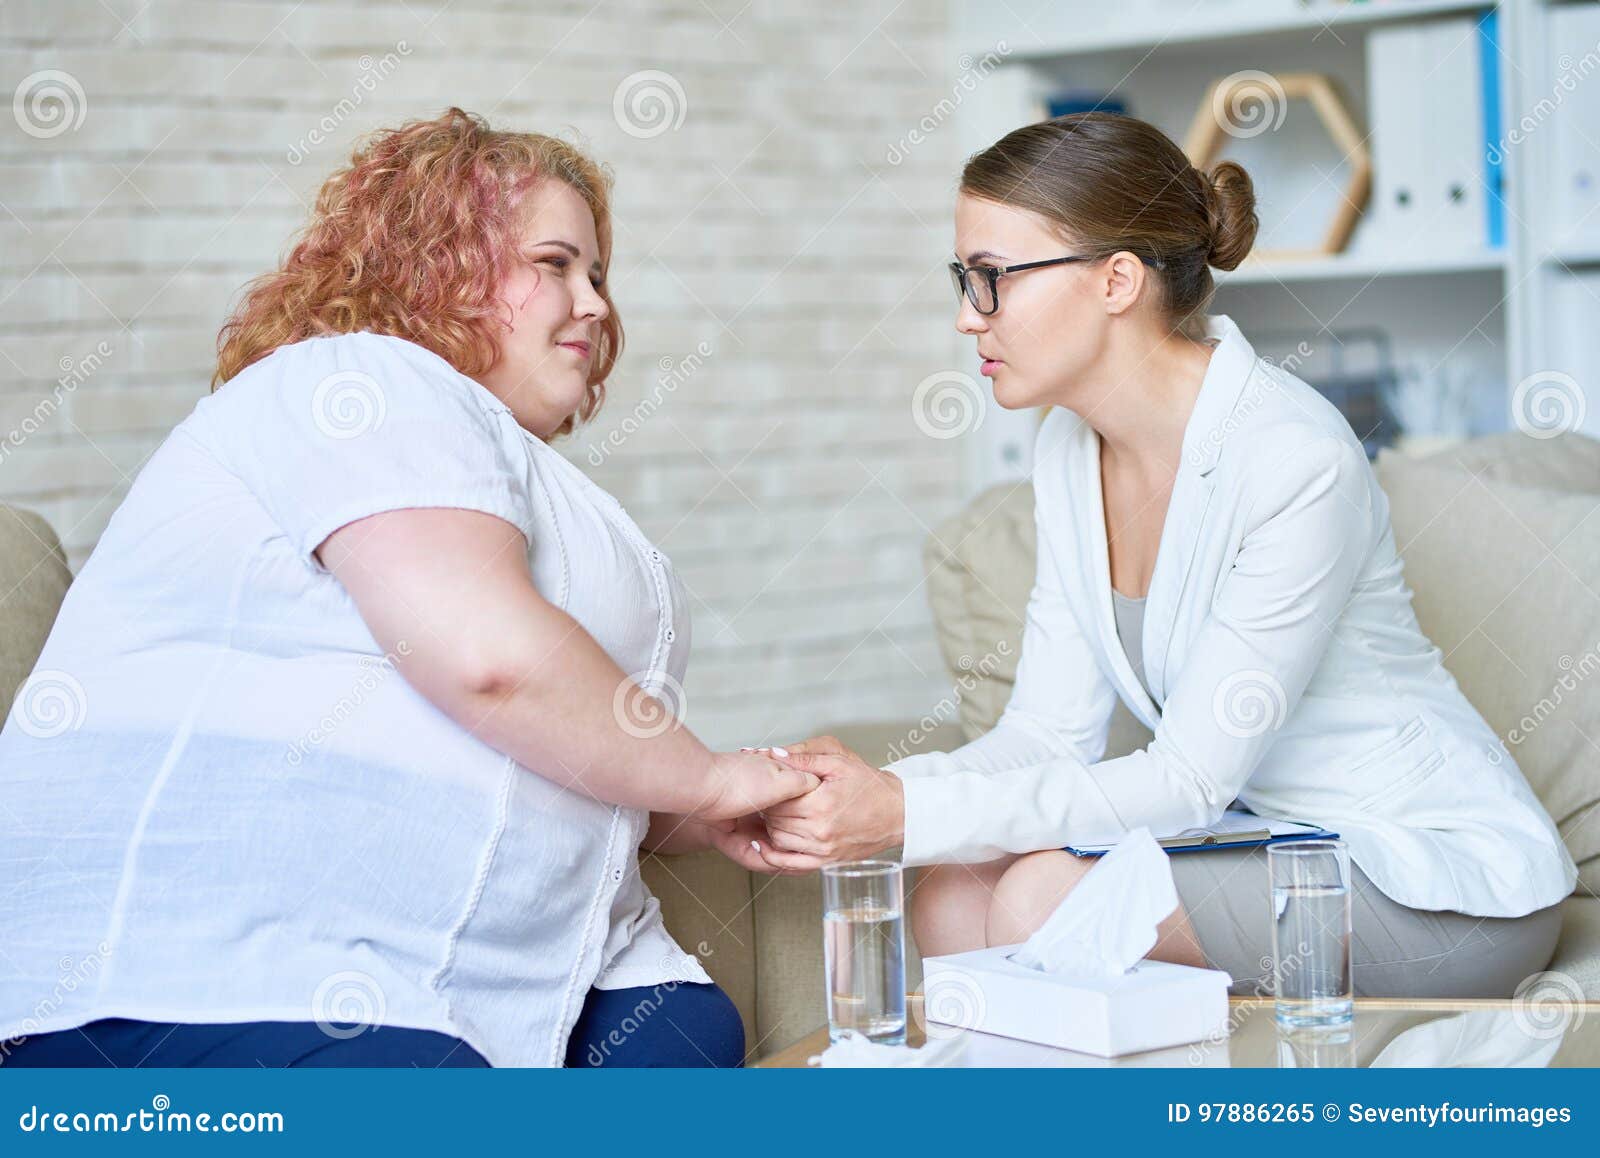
(655, 556)
(671, 635)
(616, 874)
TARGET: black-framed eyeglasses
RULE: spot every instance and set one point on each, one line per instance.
(981, 283)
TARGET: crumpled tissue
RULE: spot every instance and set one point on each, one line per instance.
(856, 1050)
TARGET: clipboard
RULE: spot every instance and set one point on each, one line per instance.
(1235, 829)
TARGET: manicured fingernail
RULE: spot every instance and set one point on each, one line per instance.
(747, 749)
(756, 844)
(782, 752)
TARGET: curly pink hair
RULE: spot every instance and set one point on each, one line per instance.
(412, 239)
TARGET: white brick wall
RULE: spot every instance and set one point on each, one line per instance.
(784, 475)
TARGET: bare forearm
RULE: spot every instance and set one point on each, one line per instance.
(450, 593)
(569, 712)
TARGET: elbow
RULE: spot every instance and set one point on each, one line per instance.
(488, 677)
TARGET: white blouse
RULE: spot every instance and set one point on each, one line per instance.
(221, 803)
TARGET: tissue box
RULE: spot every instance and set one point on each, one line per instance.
(1153, 1005)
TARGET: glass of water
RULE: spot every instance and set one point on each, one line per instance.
(864, 952)
(1311, 933)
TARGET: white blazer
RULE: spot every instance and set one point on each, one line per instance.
(1286, 662)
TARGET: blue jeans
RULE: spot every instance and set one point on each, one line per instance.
(672, 1024)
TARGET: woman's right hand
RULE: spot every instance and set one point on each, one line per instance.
(743, 783)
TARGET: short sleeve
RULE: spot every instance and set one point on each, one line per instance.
(331, 430)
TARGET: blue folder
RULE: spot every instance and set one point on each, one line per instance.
(1236, 829)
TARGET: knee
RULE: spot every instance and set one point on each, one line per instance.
(1029, 891)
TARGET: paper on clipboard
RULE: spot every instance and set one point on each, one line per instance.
(1233, 827)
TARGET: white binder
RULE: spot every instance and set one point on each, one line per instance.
(1452, 195)
(1394, 112)
(1425, 104)
(1575, 125)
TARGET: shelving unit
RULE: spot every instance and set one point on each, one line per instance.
(1497, 315)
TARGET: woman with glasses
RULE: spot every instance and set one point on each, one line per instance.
(346, 739)
(1214, 549)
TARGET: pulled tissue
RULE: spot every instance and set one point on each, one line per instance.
(1107, 923)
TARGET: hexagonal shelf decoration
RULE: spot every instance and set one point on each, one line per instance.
(1207, 135)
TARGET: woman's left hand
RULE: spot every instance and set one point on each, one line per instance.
(857, 811)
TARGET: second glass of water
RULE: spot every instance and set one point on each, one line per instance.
(864, 953)
(1311, 933)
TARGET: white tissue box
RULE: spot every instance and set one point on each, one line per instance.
(1153, 1005)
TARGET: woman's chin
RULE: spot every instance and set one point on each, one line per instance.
(1012, 394)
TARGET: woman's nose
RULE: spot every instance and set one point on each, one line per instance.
(589, 304)
(969, 320)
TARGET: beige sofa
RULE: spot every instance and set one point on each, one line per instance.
(1499, 549)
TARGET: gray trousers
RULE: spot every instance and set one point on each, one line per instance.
(1395, 951)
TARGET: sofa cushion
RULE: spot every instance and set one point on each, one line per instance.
(1506, 583)
(1578, 952)
(33, 581)
(980, 566)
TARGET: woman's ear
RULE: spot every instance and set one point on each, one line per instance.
(1124, 281)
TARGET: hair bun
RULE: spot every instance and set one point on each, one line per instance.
(1231, 208)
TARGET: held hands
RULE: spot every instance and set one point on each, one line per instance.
(856, 810)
